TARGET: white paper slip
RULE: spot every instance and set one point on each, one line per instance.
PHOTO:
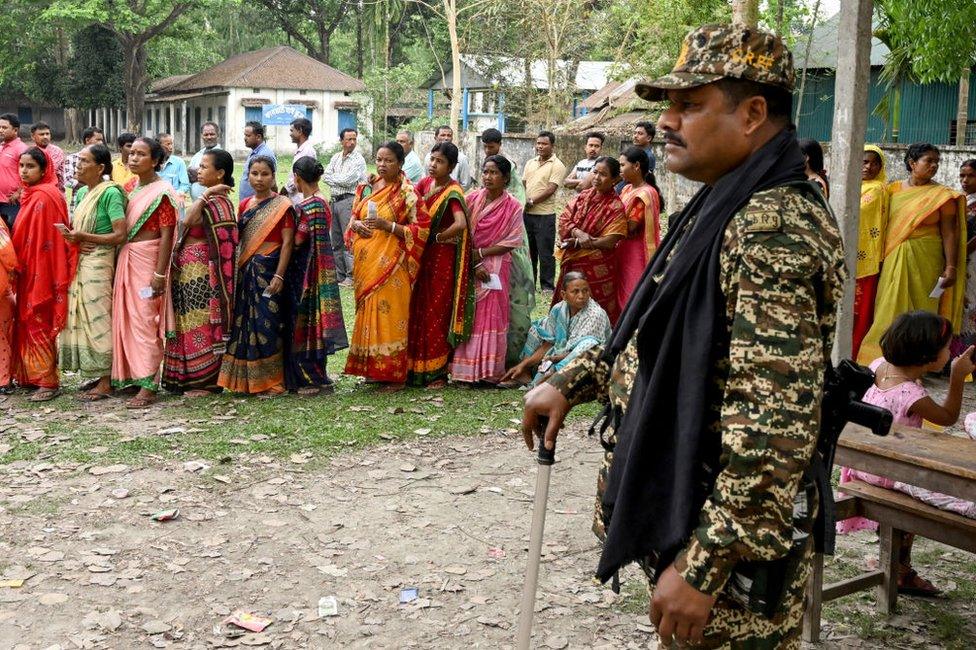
(494, 283)
(939, 289)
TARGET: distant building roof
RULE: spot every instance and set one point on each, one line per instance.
(163, 84)
(823, 47)
(280, 67)
(481, 71)
(615, 93)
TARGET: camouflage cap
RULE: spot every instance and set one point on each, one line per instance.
(718, 51)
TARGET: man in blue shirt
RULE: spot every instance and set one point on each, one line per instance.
(174, 169)
(254, 139)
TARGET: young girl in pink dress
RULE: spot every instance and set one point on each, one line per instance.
(916, 343)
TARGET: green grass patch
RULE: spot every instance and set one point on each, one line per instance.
(225, 426)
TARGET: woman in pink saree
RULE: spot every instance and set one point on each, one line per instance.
(496, 216)
(142, 278)
(643, 205)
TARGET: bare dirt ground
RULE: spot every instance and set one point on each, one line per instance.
(448, 516)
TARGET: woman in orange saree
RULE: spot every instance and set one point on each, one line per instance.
(589, 229)
(442, 304)
(925, 244)
(642, 202)
(45, 267)
(254, 362)
(142, 277)
(8, 267)
(387, 235)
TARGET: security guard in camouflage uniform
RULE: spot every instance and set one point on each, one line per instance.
(713, 380)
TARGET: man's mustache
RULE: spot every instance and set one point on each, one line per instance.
(670, 137)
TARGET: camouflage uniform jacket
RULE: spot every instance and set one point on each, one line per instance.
(782, 272)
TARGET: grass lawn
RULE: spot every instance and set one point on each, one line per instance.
(223, 426)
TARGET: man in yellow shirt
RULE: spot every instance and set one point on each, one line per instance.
(120, 167)
(542, 177)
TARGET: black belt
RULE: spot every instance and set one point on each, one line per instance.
(342, 197)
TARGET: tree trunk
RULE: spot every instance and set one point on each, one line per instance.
(780, 11)
(134, 80)
(806, 63)
(450, 15)
(72, 125)
(962, 112)
(359, 42)
(325, 50)
(745, 12)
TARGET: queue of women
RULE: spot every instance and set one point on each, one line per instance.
(135, 298)
(912, 250)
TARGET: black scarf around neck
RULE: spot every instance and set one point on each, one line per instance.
(666, 457)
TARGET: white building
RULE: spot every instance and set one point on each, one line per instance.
(234, 91)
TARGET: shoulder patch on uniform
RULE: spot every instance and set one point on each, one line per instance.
(759, 220)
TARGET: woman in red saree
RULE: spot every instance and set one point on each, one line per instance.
(496, 222)
(142, 277)
(387, 242)
(442, 305)
(200, 303)
(589, 229)
(45, 267)
(8, 268)
(642, 202)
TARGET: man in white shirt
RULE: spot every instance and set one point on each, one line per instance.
(581, 177)
(210, 136)
(462, 171)
(301, 129)
(345, 171)
(412, 167)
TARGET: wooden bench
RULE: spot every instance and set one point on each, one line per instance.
(934, 461)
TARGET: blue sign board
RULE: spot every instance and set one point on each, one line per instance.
(281, 114)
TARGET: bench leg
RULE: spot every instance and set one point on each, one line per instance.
(890, 551)
(814, 605)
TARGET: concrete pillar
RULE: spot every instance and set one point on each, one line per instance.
(847, 146)
(430, 104)
(186, 128)
(172, 125)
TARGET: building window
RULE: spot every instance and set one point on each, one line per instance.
(255, 90)
(302, 92)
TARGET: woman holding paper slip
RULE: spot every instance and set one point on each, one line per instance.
(442, 304)
(496, 218)
(142, 277)
(387, 234)
(925, 245)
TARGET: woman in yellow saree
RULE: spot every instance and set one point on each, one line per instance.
(925, 245)
(870, 241)
(387, 242)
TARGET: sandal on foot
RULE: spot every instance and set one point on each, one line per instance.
(390, 388)
(309, 391)
(912, 584)
(140, 402)
(197, 393)
(44, 394)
